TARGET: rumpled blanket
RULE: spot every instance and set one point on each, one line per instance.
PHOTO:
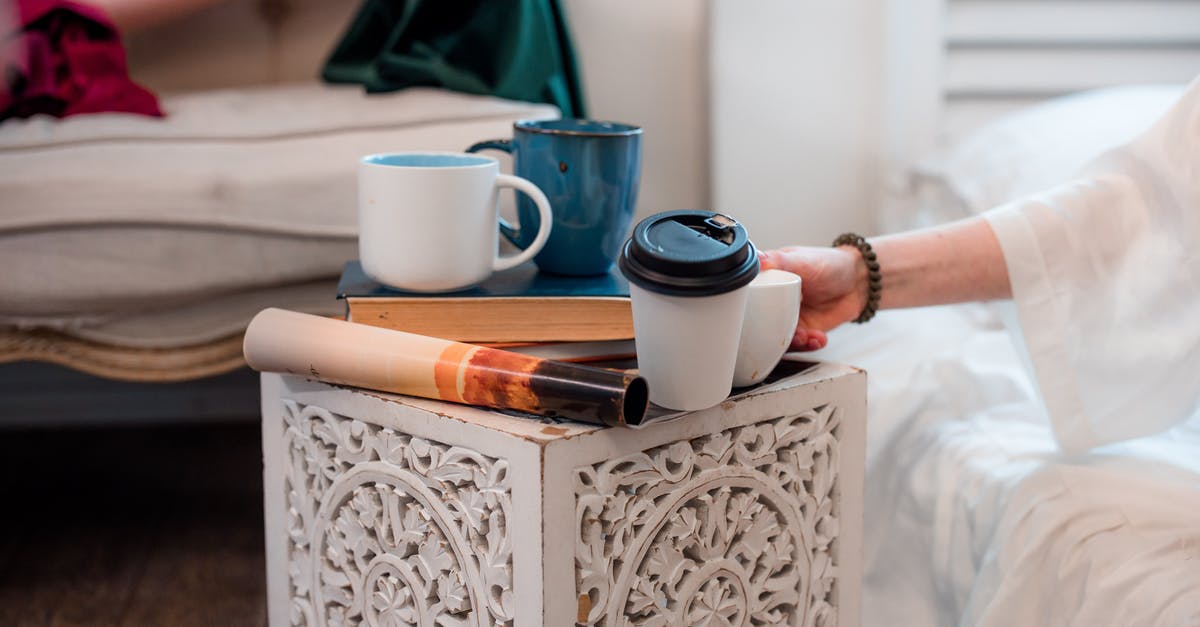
(515, 49)
(66, 58)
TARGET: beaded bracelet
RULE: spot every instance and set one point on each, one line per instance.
(874, 278)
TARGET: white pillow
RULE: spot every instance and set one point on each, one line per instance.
(1029, 150)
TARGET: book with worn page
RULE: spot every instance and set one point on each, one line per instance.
(578, 352)
(517, 305)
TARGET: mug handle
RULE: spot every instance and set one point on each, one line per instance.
(529, 189)
(503, 145)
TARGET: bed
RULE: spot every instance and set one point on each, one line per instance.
(973, 514)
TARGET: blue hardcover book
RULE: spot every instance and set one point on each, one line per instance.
(518, 305)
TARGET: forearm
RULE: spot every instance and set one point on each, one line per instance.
(957, 262)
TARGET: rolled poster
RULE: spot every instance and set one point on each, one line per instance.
(371, 357)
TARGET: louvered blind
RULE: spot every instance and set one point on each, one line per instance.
(1003, 54)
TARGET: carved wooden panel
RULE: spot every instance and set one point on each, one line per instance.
(390, 529)
(386, 510)
(732, 528)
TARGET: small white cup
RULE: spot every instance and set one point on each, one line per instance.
(428, 221)
(772, 311)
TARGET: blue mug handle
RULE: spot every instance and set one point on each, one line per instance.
(504, 145)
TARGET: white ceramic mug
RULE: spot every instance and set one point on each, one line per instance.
(428, 221)
(772, 311)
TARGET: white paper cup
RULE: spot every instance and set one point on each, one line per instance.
(772, 311)
(687, 346)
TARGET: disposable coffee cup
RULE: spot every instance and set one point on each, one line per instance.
(688, 272)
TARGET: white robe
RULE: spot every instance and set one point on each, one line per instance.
(974, 515)
(1105, 272)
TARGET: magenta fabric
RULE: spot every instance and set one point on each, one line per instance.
(64, 59)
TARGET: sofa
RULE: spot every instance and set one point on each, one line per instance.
(137, 249)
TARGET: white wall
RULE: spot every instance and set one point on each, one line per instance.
(646, 63)
(779, 99)
(796, 92)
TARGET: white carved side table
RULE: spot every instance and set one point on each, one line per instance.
(392, 510)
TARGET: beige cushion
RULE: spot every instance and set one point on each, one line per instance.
(105, 216)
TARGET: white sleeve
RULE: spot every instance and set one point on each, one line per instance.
(1105, 272)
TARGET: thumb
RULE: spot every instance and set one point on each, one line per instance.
(793, 259)
(770, 260)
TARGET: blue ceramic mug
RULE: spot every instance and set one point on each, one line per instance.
(589, 170)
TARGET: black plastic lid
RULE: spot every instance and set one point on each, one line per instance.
(689, 253)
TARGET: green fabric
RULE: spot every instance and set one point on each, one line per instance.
(515, 49)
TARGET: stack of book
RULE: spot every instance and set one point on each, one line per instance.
(521, 310)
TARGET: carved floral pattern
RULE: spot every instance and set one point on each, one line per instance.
(390, 529)
(731, 528)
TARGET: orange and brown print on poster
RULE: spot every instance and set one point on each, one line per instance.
(498, 378)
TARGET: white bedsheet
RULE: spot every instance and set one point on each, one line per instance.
(974, 516)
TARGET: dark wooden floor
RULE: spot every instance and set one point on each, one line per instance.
(132, 526)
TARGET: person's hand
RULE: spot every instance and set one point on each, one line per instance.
(833, 288)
